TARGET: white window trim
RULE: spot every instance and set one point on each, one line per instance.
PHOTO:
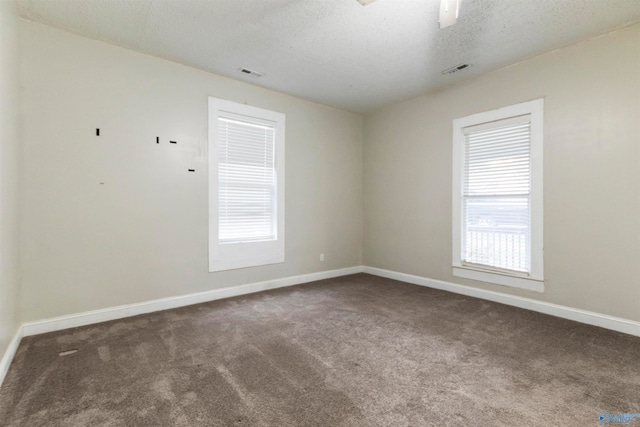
(228, 256)
(535, 279)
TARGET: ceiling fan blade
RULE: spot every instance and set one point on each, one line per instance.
(448, 12)
(365, 2)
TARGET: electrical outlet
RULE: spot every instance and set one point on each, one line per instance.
(321, 257)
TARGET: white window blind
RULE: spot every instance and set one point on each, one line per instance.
(246, 179)
(496, 199)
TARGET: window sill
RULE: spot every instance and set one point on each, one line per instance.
(499, 278)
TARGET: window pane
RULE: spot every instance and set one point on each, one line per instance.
(497, 182)
(496, 232)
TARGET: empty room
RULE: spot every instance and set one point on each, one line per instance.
(319, 212)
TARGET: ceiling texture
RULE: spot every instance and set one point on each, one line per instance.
(338, 52)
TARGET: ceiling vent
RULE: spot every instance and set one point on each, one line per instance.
(455, 69)
(250, 73)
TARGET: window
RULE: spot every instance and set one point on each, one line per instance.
(246, 186)
(497, 196)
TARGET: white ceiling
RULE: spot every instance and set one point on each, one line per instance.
(338, 52)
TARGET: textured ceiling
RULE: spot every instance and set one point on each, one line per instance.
(338, 52)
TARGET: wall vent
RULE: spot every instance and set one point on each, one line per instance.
(250, 73)
(455, 69)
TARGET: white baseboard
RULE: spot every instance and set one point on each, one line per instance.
(9, 353)
(583, 316)
(119, 312)
(122, 311)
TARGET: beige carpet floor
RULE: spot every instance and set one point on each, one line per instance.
(352, 351)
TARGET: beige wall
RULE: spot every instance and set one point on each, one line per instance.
(591, 173)
(142, 234)
(118, 219)
(9, 129)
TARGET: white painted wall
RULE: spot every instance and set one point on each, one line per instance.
(591, 174)
(118, 219)
(9, 129)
